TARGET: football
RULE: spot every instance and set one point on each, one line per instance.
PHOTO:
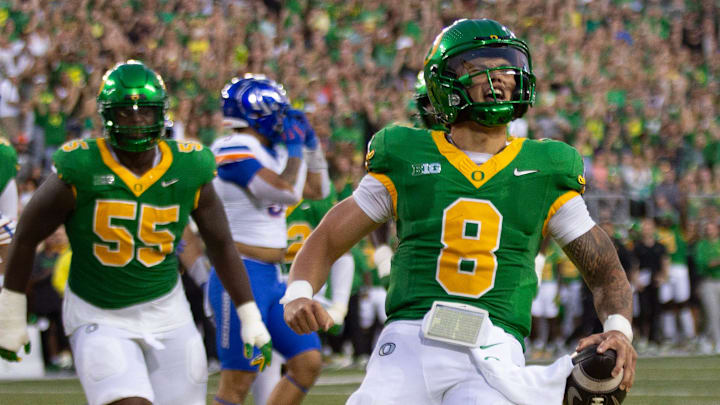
(591, 381)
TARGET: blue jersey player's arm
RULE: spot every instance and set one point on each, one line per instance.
(243, 169)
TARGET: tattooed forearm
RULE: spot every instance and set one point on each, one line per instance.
(594, 254)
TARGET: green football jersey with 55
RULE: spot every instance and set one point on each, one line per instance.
(124, 229)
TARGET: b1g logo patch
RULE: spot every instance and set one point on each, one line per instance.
(419, 169)
(386, 349)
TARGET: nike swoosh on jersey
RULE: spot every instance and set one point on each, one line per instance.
(489, 346)
(169, 182)
(524, 172)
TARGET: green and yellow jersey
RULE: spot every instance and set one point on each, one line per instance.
(8, 163)
(470, 233)
(124, 229)
(302, 218)
(674, 241)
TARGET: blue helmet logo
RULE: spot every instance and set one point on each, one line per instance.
(256, 102)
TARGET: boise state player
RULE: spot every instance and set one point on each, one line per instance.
(472, 206)
(125, 200)
(262, 169)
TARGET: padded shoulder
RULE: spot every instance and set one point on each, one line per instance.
(388, 143)
(195, 158)
(73, 159)
(561, 159)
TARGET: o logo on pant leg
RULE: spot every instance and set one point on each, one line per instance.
(386, 349)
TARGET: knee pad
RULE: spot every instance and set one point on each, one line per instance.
(102, 357)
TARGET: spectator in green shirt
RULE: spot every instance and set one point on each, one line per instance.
(52, 121)
(707, 258)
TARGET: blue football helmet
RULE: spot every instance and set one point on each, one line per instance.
(255, 102)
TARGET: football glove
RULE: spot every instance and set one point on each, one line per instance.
(297, 120)
(13, 324)
(254, 334)
(382, 258)
(293, 135)
(337, 313)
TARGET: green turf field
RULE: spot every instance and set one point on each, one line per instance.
(660, 381)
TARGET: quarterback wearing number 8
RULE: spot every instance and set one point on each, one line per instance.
(472, 206)
(125, 200)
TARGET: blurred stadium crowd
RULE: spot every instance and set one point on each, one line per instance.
(634, 85)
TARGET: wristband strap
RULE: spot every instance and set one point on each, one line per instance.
(248, 312)
(619, 323)
(297, 289)
(315, 159)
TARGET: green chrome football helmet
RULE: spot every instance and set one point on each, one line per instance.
(471, 48)
(428, 116)
(132, 103)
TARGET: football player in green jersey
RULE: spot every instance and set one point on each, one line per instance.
(125, 200)
(8, 199)
(471, 206)
(425, 110)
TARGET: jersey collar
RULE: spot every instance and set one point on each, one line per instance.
(137, 185)
(477, 175)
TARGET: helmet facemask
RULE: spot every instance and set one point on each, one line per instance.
(485, 53)
(134, 127)
(492, 85)
(132, 103)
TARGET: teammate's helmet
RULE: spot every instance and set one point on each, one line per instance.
(256, 102)
(591, 381)
(427, 113)
(486, 48)
(132, 103)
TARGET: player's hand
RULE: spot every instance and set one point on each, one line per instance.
(383, 259)
(626, 354)
(13, 324)
(13, 356)
(337, 313)
(293, 128)
(254, 334)
(297, 122)
(305, 315)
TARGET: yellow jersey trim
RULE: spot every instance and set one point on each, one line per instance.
(137, 185)
(477, 175)
(559, 202)
(196, 202)
(385, 180)
(291, 209)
